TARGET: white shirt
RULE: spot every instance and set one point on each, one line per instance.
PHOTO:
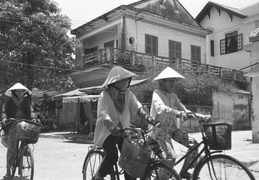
(107, 112)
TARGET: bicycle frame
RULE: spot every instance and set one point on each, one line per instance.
(204, 150)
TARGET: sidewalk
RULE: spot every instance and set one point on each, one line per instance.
(242, 147)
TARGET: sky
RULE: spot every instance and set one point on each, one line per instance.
(83, 11)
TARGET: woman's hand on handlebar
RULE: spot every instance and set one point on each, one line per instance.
(35, 120)
(204, 118)
(117, 131)
(5, 122)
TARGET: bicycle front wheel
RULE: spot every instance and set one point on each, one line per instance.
(26, 163)
(221, 167)
(91, 165)
(160, 171)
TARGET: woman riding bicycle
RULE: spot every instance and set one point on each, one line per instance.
(17, 107)
(113, 114)
(165, 108)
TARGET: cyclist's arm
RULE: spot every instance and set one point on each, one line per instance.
(160, 108)
(103, 111)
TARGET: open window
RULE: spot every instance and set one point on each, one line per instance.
(233, 42)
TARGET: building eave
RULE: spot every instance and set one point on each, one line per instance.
(206, 9)
(121, 10)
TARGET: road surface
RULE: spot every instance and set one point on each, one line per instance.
(55, 159)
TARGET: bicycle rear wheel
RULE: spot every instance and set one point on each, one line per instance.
(160, 171)
(91, 165)
(26, 163)
(221, 167)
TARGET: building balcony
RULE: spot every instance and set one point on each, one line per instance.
(138, 62)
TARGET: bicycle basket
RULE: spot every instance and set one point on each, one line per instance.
(134, 159)
(27, 132)
(218, 135)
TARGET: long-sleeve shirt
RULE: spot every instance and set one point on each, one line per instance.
(108, 114)
(23, 111)
(163, 104)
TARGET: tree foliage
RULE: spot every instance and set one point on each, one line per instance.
(34, 46)
(195, 89)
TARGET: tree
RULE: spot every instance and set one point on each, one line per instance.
(34, 46)
(195, 89)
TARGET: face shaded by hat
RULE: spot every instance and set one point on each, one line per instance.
(117, 75)
(17, 89)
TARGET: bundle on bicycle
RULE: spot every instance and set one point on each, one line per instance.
(211, 162)
(27, 133)
(137, 158)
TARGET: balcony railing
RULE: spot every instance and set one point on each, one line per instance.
(136, 61)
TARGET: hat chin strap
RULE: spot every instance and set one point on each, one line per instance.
(118, 88)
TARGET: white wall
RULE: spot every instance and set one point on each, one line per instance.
(223, 107)
(140, 28)
(221, 25)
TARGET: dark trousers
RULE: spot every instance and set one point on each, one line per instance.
(111, 155)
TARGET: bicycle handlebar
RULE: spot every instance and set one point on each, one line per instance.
(10, 120)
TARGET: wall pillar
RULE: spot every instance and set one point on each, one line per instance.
(255, 109)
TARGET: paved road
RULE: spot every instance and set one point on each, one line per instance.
(55, 159)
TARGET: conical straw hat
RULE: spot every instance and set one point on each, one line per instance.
(15, 87)
(168, 73)
(118, 73)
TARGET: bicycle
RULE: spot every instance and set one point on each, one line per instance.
(155, 168)
(211, 163)
(27, 133)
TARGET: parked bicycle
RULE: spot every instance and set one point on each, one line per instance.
(136, 158)
(27, 134)
(212, 163)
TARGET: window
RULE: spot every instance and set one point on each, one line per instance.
(212, 53)
(151, 45)
(109, 44)
(175, 49)
(233, 42)
(195, 53)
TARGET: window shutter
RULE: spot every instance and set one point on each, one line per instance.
(222, 46)
(240, 42)
(212, 53)
(148, 44)
(192, 53)
(155, 46)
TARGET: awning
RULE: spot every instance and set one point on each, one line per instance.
(81, 99)
(100, 88)
(75, 92)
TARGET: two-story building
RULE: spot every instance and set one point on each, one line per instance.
(154, 31)
(153, 27)
(229, 43)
